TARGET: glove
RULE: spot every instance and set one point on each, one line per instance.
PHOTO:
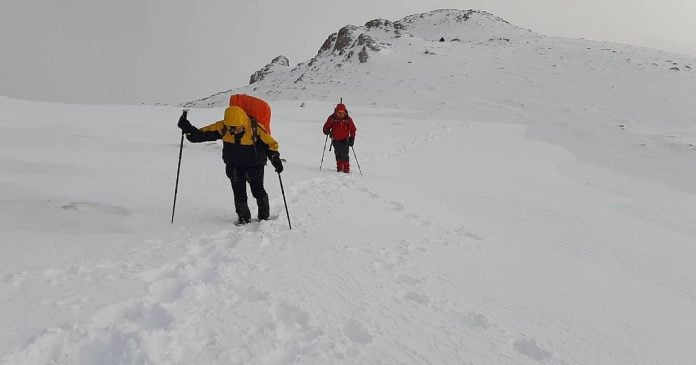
(351, 140)
(274, 156)
(327, 131)
(185, 125)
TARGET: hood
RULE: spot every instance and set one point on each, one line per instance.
(235, 117)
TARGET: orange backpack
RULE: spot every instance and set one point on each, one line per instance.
(257, 109)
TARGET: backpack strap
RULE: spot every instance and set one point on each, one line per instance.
(254, 132)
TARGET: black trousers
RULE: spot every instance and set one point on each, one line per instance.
(341, 149)
(239, 177)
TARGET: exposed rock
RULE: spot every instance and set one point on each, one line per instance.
(367, 41)
(328, 43)
(464, 17)
(379, 23)
(344, 38)
(351, 40)
(363, 56)
(278, 62)
(281, 60)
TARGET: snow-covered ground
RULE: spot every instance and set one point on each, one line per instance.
(534, 216)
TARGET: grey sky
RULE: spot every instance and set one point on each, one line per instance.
(132, 51)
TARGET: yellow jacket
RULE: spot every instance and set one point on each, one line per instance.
(244, 143)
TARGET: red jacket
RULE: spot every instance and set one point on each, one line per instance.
(340, 129)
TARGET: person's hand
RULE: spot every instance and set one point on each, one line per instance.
(274, 156)
(351, 140)
(185, 125)
(327, 131)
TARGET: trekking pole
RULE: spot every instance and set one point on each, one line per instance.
(356, 160)
(178, 168)
(284, 201)
(323, 152)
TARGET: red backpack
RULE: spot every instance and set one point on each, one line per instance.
(257, 109)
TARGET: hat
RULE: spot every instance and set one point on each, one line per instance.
(341, 107)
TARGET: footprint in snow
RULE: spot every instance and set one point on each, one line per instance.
(356, 332)
(462, 230)
(475, 320)
(413, 297)
(406, 279)
(528, 347)
(90, 207)
(396, 206)
(136, 314)
(473, 236)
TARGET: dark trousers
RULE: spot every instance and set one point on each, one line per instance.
(239, 176)
(341, 149)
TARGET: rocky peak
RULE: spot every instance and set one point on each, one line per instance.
(455, 15)
(280, 62)
(379, 23)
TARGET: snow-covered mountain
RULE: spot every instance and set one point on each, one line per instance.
(521, 199)
(481, 56)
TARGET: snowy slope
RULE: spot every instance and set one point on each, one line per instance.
(523, 215)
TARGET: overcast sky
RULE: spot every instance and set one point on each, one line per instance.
(132, 51)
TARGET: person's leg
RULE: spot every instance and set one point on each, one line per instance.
(255, 175)
(341, 148)
(339, 161)
(238, 179)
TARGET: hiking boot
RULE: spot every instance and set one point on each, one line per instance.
(243, 213)
(242, 221)
(264, 210)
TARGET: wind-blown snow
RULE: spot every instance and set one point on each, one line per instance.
(510, 212)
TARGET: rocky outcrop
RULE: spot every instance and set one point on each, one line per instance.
(379, 23)
(363, 55)
(344, 39)
(328, 43)
(280, 62)
(351, 40)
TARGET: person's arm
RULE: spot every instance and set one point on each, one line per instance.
(351, 128)
(205, 134)
(351, 132)
(273, 154)
(327, 125)
(267, 139)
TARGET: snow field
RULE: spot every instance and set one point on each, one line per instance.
(464, 241)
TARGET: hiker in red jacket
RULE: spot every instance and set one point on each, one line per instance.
(342, 131)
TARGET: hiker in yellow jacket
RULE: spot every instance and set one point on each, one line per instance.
(245, 148)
